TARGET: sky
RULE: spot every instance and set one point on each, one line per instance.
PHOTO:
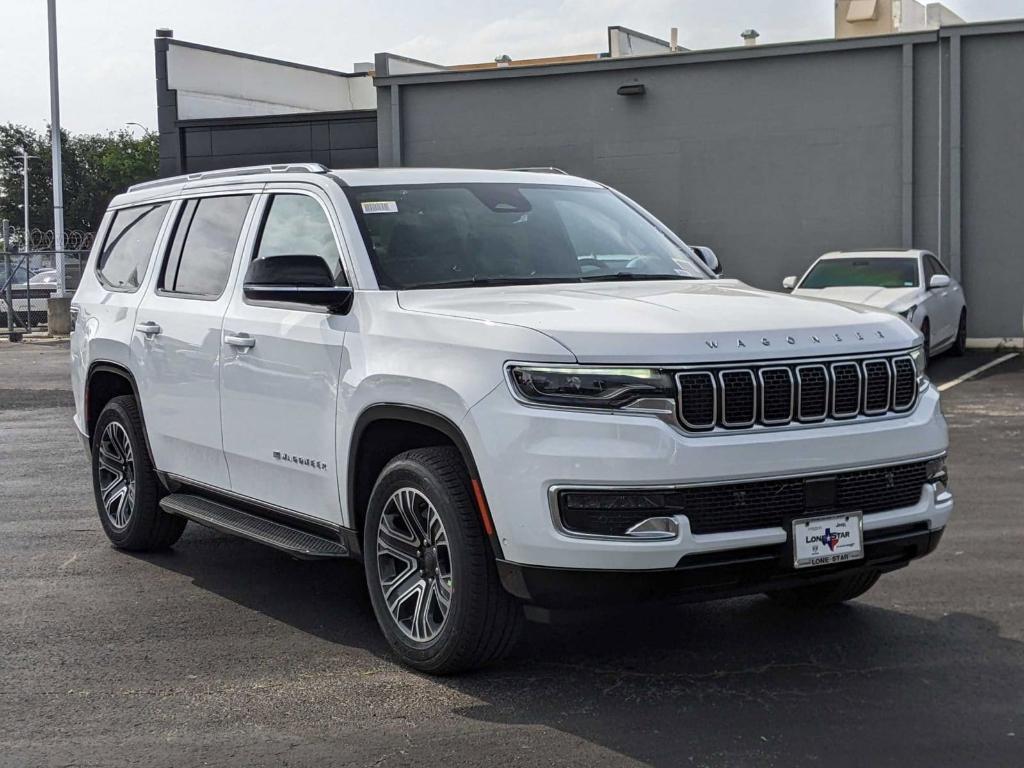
(106, 46)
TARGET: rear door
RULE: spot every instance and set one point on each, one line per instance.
(282, 364)
(176, 348)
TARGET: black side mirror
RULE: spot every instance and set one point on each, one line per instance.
(296, 280)
(708, 257)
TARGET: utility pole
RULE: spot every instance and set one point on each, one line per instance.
(25, 157)
(58, 181)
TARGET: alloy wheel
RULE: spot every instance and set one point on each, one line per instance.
(414, 565)
(117, 475)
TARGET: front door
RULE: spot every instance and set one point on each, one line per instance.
(176, 348)
(282, 364)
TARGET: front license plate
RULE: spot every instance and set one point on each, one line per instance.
(828, 540)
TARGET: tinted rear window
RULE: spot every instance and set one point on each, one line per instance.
(128, 246)
(203, 247)
(857, 272)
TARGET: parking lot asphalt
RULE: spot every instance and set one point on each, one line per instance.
(224, 653)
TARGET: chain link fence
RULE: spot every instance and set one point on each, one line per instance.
(28, 279)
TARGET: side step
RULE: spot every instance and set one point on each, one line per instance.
(213, 514)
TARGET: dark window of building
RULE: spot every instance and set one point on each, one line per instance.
(128, 246)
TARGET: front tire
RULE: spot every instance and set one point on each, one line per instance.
(430, 570)
(126, 486)
(816, 596)
(926, 330)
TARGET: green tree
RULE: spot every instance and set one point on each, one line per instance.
(96, 167)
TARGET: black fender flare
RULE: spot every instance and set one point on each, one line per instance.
(426, 418)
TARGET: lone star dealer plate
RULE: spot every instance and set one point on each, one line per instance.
(828, 540)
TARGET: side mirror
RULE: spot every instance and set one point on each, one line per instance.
(296, 280)
(708, 257)
(939, 281)
(789, 283)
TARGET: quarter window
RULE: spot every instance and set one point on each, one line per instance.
(296, 225)
(203, 247)
(128, 246)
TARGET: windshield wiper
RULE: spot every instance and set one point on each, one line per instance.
(477, 281)
(615, 277)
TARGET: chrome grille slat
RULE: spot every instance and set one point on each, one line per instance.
(778, 394)
(846, 385)
(877, 387)
(812, 393)
(739, 398)
(698, 400)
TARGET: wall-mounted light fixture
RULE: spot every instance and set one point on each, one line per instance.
(632, 89)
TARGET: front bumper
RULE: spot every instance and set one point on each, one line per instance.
(522, 452)
(708, 577)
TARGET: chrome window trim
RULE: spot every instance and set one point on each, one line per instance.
(835, 383)
(792, 393)
(714, 401)
(753, 405)
(888, 389)
(799, 395)
(555, 489)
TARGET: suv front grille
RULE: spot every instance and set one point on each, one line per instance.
(745, 505)
(777, 394)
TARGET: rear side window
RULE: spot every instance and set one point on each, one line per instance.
(203, 247)
(296, 225)
(129, 243)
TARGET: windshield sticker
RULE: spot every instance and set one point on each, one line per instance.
(381, 206)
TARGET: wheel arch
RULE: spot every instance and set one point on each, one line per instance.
(404, 427)
(111, 380)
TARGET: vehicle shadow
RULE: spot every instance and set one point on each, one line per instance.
(735, 682)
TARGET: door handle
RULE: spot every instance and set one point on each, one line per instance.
(149, 328)
(240, 340)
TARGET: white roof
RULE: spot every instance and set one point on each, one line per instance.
(882, 254)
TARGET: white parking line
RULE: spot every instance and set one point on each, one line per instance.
(971, 374)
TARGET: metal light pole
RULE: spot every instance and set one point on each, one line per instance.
(58, 182)
(25, 157)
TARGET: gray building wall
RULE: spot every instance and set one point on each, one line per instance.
(339, 139)
(771, 155)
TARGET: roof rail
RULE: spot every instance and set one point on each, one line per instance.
(539, 169)
(225, 172)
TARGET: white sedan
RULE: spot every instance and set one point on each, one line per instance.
(911, 283)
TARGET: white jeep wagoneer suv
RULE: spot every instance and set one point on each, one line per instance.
(496, 389)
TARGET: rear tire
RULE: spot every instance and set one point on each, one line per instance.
(430, 569)
(817, 596)
(959, 348)
(126, 486)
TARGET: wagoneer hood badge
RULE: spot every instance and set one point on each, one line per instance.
(675, 322)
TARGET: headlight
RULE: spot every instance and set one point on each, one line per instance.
(908, 314)
(581, 387)
(920, 363)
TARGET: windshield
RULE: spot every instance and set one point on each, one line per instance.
(459, 235)
(875, 272)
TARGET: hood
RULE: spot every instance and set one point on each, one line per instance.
(671, 322)
(869, 295)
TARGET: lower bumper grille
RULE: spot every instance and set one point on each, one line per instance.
(743, 506)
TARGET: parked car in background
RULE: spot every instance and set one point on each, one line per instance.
(911, 283)
(28, 290)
